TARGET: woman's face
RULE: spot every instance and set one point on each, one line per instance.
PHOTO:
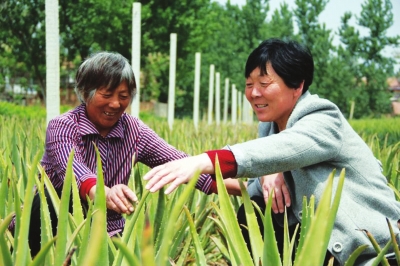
(271, 99)
(106, 107)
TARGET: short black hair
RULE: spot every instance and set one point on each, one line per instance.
(290, 60)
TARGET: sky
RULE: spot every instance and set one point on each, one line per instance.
(333, 12)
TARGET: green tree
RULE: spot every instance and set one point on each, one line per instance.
(90, 26)
(373, 68)
(23, 39)
(318, 39)
(281, 24)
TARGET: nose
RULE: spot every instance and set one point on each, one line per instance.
(114, 103)
(255, 92)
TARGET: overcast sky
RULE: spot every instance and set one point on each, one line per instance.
(333, 12)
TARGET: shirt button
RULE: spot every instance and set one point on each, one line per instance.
(337, 247)
(300, 214)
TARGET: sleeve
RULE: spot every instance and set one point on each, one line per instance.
(226, 162)
(316, 136)
(61, 138)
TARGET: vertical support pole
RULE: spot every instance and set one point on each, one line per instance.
(136, 38)
(52, 60)
(234, 104)
(217, 98)
(196, 91)
(210, 94)
(172, 76)
(226, 98)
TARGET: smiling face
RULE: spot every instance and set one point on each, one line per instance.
(271, 99)
(106, 107)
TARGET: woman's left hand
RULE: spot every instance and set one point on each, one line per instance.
(281, 197)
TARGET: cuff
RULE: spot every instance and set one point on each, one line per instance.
(226, 161)
(86, 186)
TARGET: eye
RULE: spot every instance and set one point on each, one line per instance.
(124, 97)
(249, 85)
(106, 95)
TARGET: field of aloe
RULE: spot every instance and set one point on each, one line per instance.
(184, 228)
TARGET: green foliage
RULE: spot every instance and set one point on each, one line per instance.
(179, 229)
(372, 68)
(356, 70)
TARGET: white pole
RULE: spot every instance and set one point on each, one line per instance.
(211, 94)
(226, 97)
(196, 90)
(52, 60)
(234, 104)
(247, 111)
(240, 109)
(245, 116)
(217, 98)
(172, 71)
(136, 37)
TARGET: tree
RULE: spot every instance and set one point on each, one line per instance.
(23, 37)
(281, 24)
(373, 68)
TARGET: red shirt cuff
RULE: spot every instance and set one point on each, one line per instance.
(86, 186)
(226, 161)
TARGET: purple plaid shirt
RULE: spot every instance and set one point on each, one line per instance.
(129, 140)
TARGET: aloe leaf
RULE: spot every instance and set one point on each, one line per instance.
(159, 215)
(320, 229)
(18, 215)
(381, 259)
(45, 221)
(271, 252)
(5, 252)
(3, 193)
(22, 252)
(129, 225)
(168, 233)
(394, 242)
(287, 253)
(127, 253)
(40, 258)
(77, 211)
(183, 256)
(377, 248)
(62, 226)
(228, 216)
(98, 233)
(200, 258)
(353, 256)
(86, 233)
(256, 240)
(75, 234)
(220, 246)
(147, 245)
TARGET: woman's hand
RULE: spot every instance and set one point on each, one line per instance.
(177, 172)
(119, 198)
(281, 196)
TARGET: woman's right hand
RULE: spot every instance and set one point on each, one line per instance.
(281, 196)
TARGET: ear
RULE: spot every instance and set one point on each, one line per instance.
(298, 91)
